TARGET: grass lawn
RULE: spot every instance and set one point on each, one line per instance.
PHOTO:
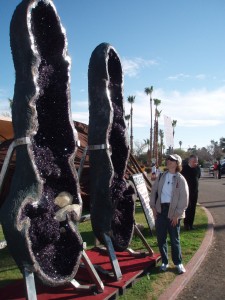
(151, 285)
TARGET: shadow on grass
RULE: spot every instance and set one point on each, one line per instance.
(197, 228)
(88, 237)
(5, 282)
(6, 260)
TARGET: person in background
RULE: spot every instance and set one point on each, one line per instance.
(191, 173)
(219, 170)
(215, 170)
(169, 199)
(153, 174)
(158, 171)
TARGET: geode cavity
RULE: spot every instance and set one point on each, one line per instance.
(112, 205)
(39, 216)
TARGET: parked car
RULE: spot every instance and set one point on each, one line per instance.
(211, 169)
(222, 169)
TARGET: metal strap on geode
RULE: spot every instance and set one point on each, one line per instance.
(99, 147)
(22, 141)
(43, 207)
(112, 206)
(90, 148)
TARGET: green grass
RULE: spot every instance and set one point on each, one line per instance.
(151, 285)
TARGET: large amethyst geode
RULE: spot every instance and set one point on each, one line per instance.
(39, 216)
(112, 205)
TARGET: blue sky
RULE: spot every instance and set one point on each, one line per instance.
(176, 46)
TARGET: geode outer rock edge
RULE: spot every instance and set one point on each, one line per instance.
(40, 214)
(112, 205)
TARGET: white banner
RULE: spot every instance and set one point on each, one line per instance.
(168, 131)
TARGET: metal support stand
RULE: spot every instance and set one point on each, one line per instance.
(138, 232)
(29, 285)
(85, 218)
(98, 287)
(92, 272)
(112, 256)
(137, 254)
(82, 162)
(116, 272)
(15, 143)
(131, 251)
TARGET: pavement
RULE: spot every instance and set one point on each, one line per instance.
(205, 272)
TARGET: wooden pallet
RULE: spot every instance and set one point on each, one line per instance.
(131, 268)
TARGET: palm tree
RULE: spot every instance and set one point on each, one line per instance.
(127, 118)
(222, 143)
(180, 143)
(131, 100)
(10, 103)
(147, 142)
(174, 123)
(158, 113)
(149, 91)
(161, 135)
(155, 140)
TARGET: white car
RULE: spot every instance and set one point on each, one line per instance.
(211, 169)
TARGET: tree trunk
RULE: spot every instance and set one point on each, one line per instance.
(150, 156)
(131, 130)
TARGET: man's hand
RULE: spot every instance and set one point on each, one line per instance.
(154, 213)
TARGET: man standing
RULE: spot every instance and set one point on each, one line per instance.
(192, 173)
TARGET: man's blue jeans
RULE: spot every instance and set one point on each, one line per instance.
(163, 226)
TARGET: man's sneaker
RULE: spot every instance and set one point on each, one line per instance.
(180, 269)
(164, 267)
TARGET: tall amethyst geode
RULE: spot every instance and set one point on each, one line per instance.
(112, 205)
(39, 216)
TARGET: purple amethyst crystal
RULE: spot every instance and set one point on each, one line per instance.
(40, 215)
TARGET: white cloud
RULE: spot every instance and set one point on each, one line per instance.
(201, 76)
(199, 114)
(195, 108)
(4, 102)
(200, 123)
(131, 67)
(81, 117)
(182, 77)
(80, 105)
(179, 76)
